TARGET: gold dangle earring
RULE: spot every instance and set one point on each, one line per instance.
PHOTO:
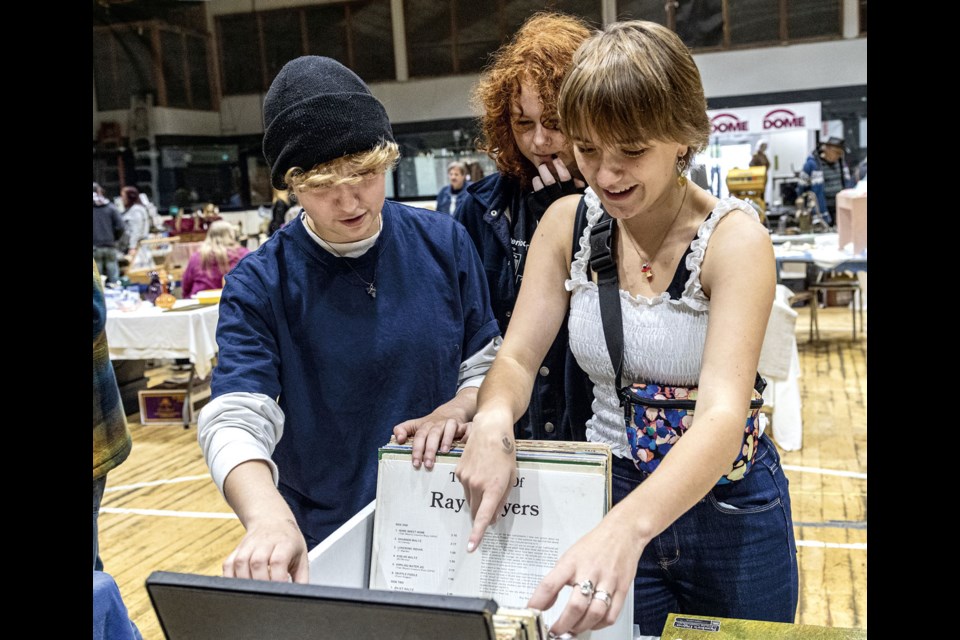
(681, 165)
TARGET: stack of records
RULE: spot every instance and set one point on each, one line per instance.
(519, 624)
(422, 523)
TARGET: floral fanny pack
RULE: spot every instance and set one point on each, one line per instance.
(657, 415)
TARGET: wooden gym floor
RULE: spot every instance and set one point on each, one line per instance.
(161, 510)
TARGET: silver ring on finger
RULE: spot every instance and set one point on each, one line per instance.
(603, 597)
(586, 587)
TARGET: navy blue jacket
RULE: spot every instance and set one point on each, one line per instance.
(297, 323)
(443, 198)
(562, 393)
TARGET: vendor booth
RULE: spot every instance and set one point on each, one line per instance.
(790, 133)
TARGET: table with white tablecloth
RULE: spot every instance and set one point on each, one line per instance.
(822, 251)
(780, 366)
(149, 332)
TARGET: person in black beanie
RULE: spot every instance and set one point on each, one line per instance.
(360, 316)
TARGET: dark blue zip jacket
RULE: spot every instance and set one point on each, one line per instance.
(562, 393)
(443, 198)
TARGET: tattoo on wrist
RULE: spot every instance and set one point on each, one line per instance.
(507, 444)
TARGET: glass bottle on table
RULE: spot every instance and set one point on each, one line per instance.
(154, 289)
(165, 300)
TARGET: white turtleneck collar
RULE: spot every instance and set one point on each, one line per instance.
(345, 249)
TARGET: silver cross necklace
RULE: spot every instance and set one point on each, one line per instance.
(371, 286)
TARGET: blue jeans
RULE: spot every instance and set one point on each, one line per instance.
(107, 265)
(732, 555)
(110, 618)
(98, 486)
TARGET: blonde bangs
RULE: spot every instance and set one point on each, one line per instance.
(346, 170)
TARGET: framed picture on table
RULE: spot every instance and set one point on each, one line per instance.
(162, 406)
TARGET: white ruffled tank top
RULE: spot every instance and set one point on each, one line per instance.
(663, 336)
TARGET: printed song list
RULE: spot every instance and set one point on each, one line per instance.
(512, 565)
(413, 558)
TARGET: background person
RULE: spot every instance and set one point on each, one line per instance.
(359, 315)
(156, 220)
(760, 159)
(283, 210)
(447, 198)
(633, 105)
(826, 174)
(136, 219)
(108, 229)
(218, 255)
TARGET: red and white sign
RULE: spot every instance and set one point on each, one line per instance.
(737, 122)
(728, 123)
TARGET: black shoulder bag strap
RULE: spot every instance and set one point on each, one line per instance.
(579, 224)
(608, 284)
(602, 262)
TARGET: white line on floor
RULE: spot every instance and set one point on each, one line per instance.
(826, 472)
(154, 483)
(175, 514)
(832, 545)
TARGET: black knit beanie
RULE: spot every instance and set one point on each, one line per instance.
(317, 110)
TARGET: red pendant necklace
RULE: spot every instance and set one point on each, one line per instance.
(645, 263)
